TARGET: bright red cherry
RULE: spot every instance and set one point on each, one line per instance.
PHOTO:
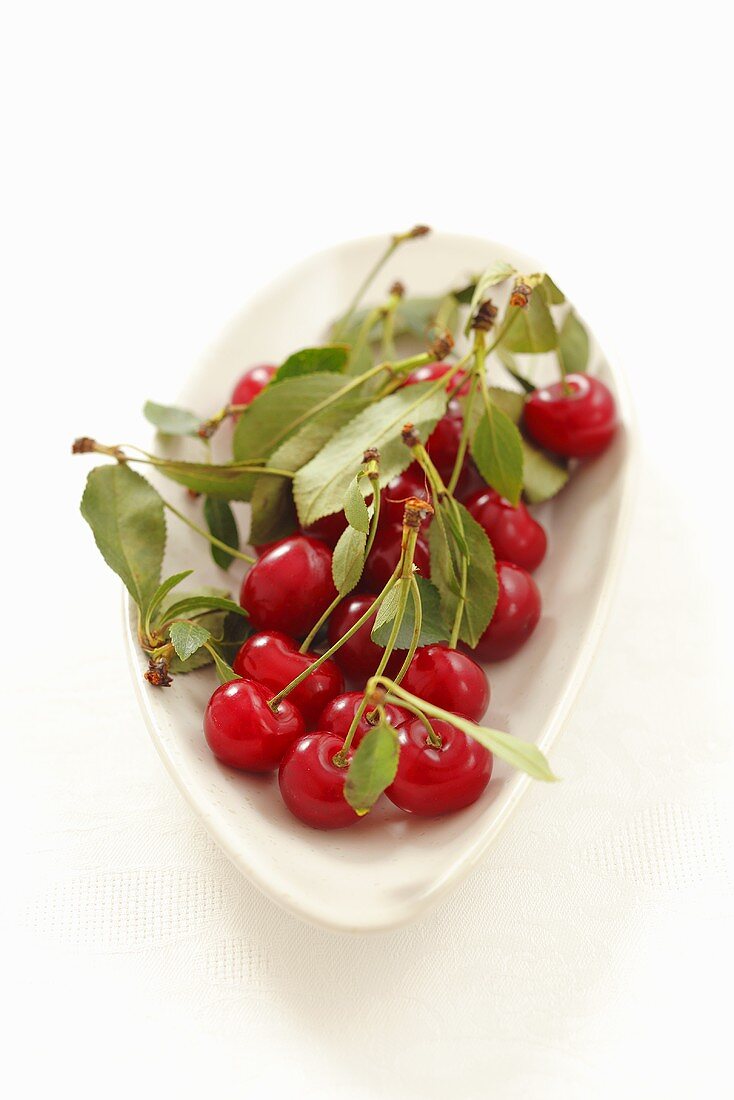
(272, 658)
(242, 730)
(443, 442)
(515, 616)
(328, 528)
(312, 785)
(429, 372)
(514, 534)
(578, 424)
(290, 587)
(411, 483)
(252, 382)
(338, 714)
(359, 657)
(433, 781)
(449, 679)
(385, 555)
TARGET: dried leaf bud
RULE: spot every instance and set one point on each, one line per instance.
(371, 455)
(157, 673)
(83, 446)
(416, 510)
(410, 436)
(441, 345)
(397, 289)
(521, 295)
(419, 231)
(485, 316)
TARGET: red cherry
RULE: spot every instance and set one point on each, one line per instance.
(338, 714)
(328, 528)
(443, 442)
(429, 372)
(359, 657)
(470, 481)
(273, 659)
(252, 382)
(385, 555)
(411, 483)
(290, 586)
(242, 730)
(312, 785)
(433, 781)
(580, 424)
(514, 534)
(449, 679)
(515, 616)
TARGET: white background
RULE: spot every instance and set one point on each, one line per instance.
(161, 162)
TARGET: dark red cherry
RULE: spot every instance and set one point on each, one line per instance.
(515, 616)
(312, 785)
(470, 481)
(359, 657)
(429, 372)
(272, 658)
(514, 534)
(411, 483)
(578, 424)
(385, 555)
(290, 586)
(338, 714)
(433, 781)
(448, 679)
(328, 528)
(443, 442)
(252, 382)
(242, 730)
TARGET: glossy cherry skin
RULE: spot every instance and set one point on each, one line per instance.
(515, 616)
(432, 781)
(411, 483)
(514, 534)
(312, 785)
(272, 658)
(328, 528)
(429, 372)
(578, 425)
(290, 586)
(443, 442)
(252, 382)
(448, 679)
(338, 714)
(359, 657)
(385, 554)
(242, 730)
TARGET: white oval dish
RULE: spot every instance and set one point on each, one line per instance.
(390, 868)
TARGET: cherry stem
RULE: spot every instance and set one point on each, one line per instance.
(208, 536)
(395, 242)
(417, 627)
(434, 739)
(465, 428)
(308, 640)
(388, 326)
(91, 446)
(562, 366)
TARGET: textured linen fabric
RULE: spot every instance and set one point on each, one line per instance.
(579, 959)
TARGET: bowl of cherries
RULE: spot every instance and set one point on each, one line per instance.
(397, 502)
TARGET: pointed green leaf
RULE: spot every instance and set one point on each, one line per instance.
(193, 605)
(482, 586)
(432, 625)
(573, 345)
(495, 274)
(330, 359)
(126, 516)
(222, 524)
(531, 328)
(497, 451)
(372, 768)
(551, 293)
(171, 420)
(510, 364)
(355, 508)
(347, 562)
(187, 638)
(543, 475)
(230, 481)
(272, 511)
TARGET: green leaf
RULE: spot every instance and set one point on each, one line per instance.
(511, 402)
(330, 359)
(373, 767)
(236, 630)
(223, 526)
(355, 508)
(126, 516)
(320, 485)
(466, 293)
(187, 638)
(543, 476)
(432, 625)
(551, 293)
(482, 586)
(519, 754)
(510, 364)
(347, 562)
(162, 591)
(281, 410)
(413, 317)
(272, 511)
(573, 345)
(171, 420)
(230, 481)
(497, 450)
(531, 328)
(193, 605)
(495, 274)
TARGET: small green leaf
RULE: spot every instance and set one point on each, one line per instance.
(543, 476)
(511, 402)
(330, 359)
(187, 638)
(573, 345)
(372, 768)
(214, 623)
(510, 364)
(126, 516)
(519, 754)
(551, 293)
(482, 586)
(432, 625)
(531, 328)
(466, 293)
(495, 274)
(272, 511)
(236, 630)
(355, 508)
(171, 420)
(162, 591)
(497, 451)
(195, 604)
(347, 563)
(320, 485)
(388, 609)
(223, 526)
(230, 481)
